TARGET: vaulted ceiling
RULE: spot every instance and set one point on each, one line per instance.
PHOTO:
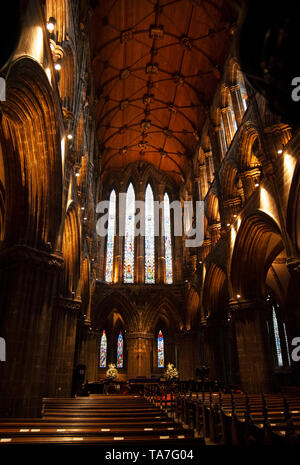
(156, 66)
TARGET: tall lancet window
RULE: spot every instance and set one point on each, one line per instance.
(103, 351)
(149, 237)
(168, 241)
(120, 351)
(277, 338)
(110, 238)
(129, 236)
(160, 350)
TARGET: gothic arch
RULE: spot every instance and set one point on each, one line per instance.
(257, 244)
(31, 158)
(215, 291)
(71, 253)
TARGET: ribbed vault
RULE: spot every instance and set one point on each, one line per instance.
(156, 67)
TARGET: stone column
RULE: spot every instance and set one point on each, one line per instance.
(139, 347)
(237, 102)
(188, 356)
(217, 342)
(228, 124)
(222, 141)
(253, 346)
(62, 347)
(28, 283)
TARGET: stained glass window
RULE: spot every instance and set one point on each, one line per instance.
(103, 351)
(277, 338)
(129, 236)
(168, 241)
(149, 237)
(110, 237)
(160, 350)
(287, 344)
(120, 351)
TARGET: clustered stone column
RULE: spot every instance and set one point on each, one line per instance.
(62, 347)
(254, 351)
(28, 282)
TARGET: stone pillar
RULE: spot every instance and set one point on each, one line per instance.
(253, 346)
(62, 347)
(248, 179)
(276, 137)
(139, 348)
(237, 103)
(28, 282)
(222, 141)
(203, 178)
(228, 124)
(188, 355)
(218, 350)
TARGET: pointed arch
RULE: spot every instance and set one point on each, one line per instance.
(129, 235)
(160, 350)
(120, 351)
(103, 350)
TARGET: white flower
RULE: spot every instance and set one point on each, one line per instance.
(171, 372)
(112, 372)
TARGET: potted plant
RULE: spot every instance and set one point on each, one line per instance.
(171, 373)
(111, 376)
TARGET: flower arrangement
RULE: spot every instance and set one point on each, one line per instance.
(112, 372)
(171, 372)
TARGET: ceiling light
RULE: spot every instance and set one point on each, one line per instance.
(51, 24)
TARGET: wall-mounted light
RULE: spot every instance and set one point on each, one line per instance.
(85, 218)
(57, 66)
(51, 24)
(280, 151)
(70, 136)
(82, 208)
(235, 216)
(238, 296)
(257, 184)
(77, 174)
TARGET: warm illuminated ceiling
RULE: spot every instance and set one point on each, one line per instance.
(156, 67)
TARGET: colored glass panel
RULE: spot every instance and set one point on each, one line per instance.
(149, 237)
(110, 238)
(160, 350)
(129, 236)
(168, 241)
(120, 351)
(103, 351)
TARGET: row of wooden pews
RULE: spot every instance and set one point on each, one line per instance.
(234, 419)
(97, 420)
